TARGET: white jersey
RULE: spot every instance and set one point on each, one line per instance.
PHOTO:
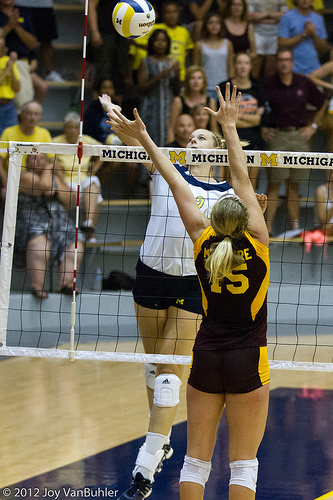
(167, 247)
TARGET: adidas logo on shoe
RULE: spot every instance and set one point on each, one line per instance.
(166, 381)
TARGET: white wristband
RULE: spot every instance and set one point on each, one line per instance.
(314, 126)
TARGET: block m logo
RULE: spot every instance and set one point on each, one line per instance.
(177, 158)
(268, 160)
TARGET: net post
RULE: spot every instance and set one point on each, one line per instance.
(79, 155)
(8, 237)
(71, 352)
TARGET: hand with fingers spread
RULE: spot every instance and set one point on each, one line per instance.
(227, 114)
(121, 125)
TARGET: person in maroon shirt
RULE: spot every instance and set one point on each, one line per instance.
(288, 129)
(230, 365)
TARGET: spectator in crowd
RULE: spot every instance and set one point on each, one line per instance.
(265, 17)
(44, 232)
(194, 12)
(323, 78)
(158, 83)
(184, 127)
(251, 107)
(39, 84)
(181, 47)
(237, 27)
(288, 93)
(28, 130)
(45, 25)
(9, 85)
(110, 50)
(303, 31)
(90, 184)
(194, 93)
(94, 118)
(214, 53)
(317, 5)
(324, 204)
(181, 41)
(17, 27)
(200, 116)
(95, 126)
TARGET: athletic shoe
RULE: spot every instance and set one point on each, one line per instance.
(139, 489)
(54, 77)
(168, 452)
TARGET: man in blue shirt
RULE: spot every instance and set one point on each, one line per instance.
(303, 31)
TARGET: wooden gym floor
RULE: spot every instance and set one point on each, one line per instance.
(71, 429)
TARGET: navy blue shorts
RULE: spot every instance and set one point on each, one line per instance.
(45, 23)
(238, 370)
(156, 290)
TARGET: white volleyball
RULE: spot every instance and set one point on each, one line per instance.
(134, 18)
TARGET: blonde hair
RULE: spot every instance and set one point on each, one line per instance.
(218, 141)
(229, 219)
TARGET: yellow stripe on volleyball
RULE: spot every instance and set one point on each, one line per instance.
(126, 17)
(127, 21)
(115, 12)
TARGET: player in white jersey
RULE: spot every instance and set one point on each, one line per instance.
(167, 246)
(167, 299)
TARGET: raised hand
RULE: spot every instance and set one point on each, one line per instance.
(13, 19)
(121, 125)
(12, 59)
(262, 200)
(227, 114)
(108, 105)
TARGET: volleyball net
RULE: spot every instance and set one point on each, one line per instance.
(101, 324)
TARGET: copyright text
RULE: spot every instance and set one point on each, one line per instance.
(59, 493)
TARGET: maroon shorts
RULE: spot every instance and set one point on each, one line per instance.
(229, 370)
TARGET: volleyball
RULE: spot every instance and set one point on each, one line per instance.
(134, 18)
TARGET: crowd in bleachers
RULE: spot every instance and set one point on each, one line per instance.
(277, 53)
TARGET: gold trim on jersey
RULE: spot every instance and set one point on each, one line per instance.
(262, 252)
(198, 243)
(196, 250)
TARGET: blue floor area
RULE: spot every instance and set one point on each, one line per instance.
(295, 459)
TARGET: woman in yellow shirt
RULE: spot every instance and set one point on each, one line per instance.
(90, 184)
(9, 85)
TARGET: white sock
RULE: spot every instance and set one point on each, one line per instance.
(155, 442)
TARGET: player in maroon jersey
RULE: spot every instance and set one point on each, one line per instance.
(230, 364)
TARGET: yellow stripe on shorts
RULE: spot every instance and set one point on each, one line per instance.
(263, 366)
(328, 496)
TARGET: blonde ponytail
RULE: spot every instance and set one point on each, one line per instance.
(229, 219)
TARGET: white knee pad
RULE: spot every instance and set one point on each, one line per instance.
(150, 373)
(166, 390)
(244, 473)
(195, 471)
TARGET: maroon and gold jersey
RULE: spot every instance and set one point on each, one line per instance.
(235, 309)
